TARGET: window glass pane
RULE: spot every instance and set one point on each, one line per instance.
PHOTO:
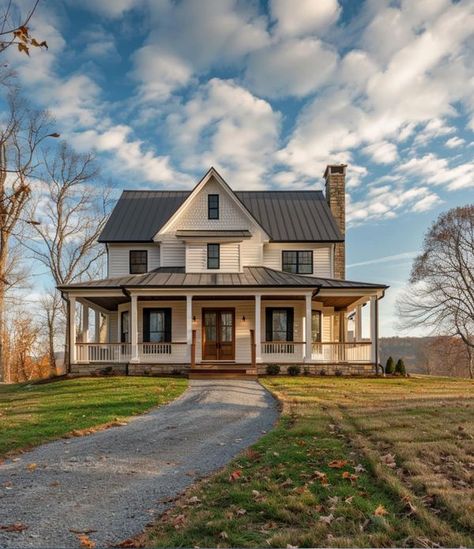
(316, 325)
(213, 206)
(138, 261)
(279, 325)
(213, 253)
(298, 262)
(210, 326)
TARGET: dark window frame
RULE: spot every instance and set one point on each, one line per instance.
(290, 329)
(212, 209)
(298, 263)
(212, 257)
(133, 264)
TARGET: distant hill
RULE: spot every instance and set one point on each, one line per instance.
(441, 355)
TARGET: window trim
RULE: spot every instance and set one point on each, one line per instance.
(297, 252)
(213, 208)
(130, 252)
(218, 246)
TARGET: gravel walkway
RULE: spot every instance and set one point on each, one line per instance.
(113, 482)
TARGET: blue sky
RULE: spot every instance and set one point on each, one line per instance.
(269, 93)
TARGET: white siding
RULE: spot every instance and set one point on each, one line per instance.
(272, 256)
(119, 257)
(172, 253)
(251, 252)
(113, 328)
(196, 258)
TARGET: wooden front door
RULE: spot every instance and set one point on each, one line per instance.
(218, 334)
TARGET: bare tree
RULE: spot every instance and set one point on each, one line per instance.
(72, 208)
(441, 292)
(14, 29)
(22, 130)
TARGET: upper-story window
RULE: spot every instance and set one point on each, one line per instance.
(213, 256)
(300, 262)
(213, 206)
(138, 261)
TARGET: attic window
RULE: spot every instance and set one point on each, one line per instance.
(213, 206)
(213, 256)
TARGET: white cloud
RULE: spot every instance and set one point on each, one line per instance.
(384, 259)
(437, 171)
(226, 126)
(189, 38)
(305, 17)
(382, 153)
(293, 67)
(110, 8)
(98, 43)
(454, 142)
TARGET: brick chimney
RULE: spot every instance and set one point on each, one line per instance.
(335, 176)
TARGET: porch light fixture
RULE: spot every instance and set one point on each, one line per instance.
(194, 319)
(243, 318)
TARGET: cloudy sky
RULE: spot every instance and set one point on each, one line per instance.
(269, 93)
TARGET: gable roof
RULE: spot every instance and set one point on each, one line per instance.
(286, 216)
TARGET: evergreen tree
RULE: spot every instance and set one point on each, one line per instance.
(390, 366)
(400, 368)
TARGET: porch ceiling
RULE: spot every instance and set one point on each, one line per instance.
(339, 302)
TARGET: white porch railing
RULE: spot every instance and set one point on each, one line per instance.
(360, 351)
(103, 352)
(282, 351)
(169, 352)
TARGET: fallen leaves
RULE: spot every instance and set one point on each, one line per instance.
(86, 541)
(380, 511)
(322, 477)
(389, 460)
(349, 476)
(326, 519)
(16, 527)
(32, 467)
(338, 463)
(235, 475)
(178, 521)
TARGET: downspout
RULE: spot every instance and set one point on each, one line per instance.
(126, 293)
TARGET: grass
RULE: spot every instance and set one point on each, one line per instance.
(408, 480)
(33, 414)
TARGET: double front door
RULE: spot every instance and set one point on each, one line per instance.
(218, 341)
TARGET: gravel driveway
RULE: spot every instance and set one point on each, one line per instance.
(113, 482)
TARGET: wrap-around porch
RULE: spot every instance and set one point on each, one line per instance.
(151, 330)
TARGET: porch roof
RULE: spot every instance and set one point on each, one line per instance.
(251, 277)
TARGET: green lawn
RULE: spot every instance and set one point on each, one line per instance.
(402, 471)
(33, 414)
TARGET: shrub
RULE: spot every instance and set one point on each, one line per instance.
(273, 369)
(306, 371)
(322, 372)
(400, 368)
(338, 373)
(390, 366)
(294, 370)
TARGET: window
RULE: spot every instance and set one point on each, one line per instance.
(316, 326)
(124, 327)
(213, 256)
(138, 261)
(157, 325)
(298, 262)
(213, 206)
(279, 324)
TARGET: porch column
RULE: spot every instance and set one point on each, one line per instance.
(85, 324)
(374, 329)
(97, 326)
(134, 329)
(72, 329)
(258, 328)
(358, 323)
(189, 323)
(308, 327)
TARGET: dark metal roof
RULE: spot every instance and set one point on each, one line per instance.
(287, 216)
(292, 216)
(175, 277)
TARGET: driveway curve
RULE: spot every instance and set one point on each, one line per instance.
(112, 483)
